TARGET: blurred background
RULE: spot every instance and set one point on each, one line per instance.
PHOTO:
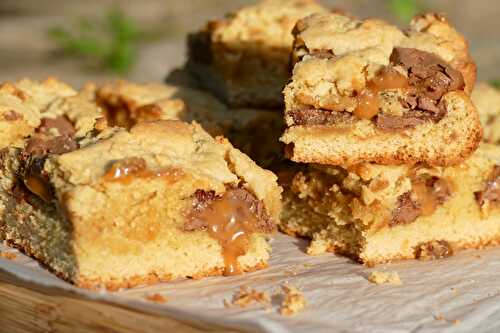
(97, 40)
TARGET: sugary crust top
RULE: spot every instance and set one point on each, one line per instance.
(341, 34)
(270, 22)
(167, 145)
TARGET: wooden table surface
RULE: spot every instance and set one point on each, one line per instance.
(27, 308)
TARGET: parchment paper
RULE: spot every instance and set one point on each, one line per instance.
(457, 294)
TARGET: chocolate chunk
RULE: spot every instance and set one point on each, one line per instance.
(426, 104)
(434, 250)
(491, 191)
(407, 210)
(41, 145)
(320, 117)
(393, 123)
(45, 141)
(431, 76)
(63, 126)
(203, 199)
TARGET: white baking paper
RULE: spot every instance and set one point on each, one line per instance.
(457, 294)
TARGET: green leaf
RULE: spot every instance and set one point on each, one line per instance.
(495, 83)
(405, 10)
(112, 40)
(77, 45)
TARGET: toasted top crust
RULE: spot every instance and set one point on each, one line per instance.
(269, 22)
(487, 101)
(340, 34)
(168, 145)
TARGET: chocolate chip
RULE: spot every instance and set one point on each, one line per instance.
(406, 211)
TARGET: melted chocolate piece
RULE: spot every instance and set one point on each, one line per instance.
(45, 141)
(41, 145)
(407, 210)
(394, 123)
(63, 126)
(491, 191)
(320, 117)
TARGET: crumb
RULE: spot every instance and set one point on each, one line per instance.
(384, 277)
(246, 296)
(439, 317)
(291, 271)
(456, 322)
(294, 301)
(156, 298)
(317, 247)
(455, 290)
(308, 265)
(8, 255)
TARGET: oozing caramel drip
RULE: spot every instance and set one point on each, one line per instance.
(230, 219)
(126, 170)
(368, 99)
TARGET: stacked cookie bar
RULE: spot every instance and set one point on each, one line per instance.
(106, 192)
(381, 126)
(385, 123)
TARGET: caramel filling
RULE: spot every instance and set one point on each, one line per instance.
(426, 196)
(126, 170)
(38, 187)
(431, 193)
(426, 80)
(230, 219)
(368, 101)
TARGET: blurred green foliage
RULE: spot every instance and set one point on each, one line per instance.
(404, 10)
(112, 40)
(495, 83)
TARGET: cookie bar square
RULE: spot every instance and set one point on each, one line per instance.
(255, 132)
(379, 213)
(487, 101)
(162, 201)
(364, 91)
(244, 59)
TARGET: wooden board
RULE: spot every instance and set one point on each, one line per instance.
(26, 307)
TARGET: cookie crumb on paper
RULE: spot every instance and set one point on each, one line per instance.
(156, 298)
(246, 296)
(8, 255)
(293, 302)
(384, 278)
